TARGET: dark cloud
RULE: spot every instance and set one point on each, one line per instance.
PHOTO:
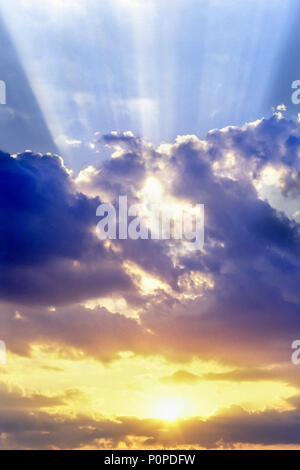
(42, 216)
(237, 300)
(49, 253)
(251, 250)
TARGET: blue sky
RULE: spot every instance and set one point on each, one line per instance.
(157, 68)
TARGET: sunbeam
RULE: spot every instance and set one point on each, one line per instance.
(156, 68)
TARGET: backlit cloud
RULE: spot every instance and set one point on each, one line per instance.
(236, 301)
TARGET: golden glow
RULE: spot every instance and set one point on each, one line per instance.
(170, 409)
(147, 284)
(132, 386)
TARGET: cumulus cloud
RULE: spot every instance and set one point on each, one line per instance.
(49, 252)
(236, 300)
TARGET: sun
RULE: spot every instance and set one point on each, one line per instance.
(170, 409)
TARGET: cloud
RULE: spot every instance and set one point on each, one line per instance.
(24, 426)
(49, 252)
(14, 399)
(180, 377)
(285, 373)
(75, 330)
(236, 301)
(278, 373)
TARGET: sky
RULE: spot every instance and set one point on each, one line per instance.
(147, 343)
